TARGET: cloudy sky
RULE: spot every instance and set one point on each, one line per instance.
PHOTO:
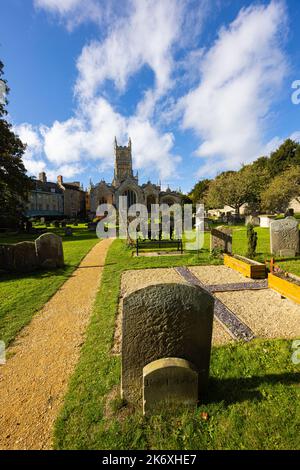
(200, 86)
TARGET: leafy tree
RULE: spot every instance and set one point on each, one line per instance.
(282, 189)
(199, 191)
(258, 178)
(286, 155)
(14, 183)
(232, 188)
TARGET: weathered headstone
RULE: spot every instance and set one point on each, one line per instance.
(25, 257)
(252, 220)
(284, 235)
(172, 381)
(287, 253)
(7, 257)
(165, 321)
(221, 239)
(49, 250)
(68, 232)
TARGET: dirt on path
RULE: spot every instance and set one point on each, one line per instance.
(34, 380)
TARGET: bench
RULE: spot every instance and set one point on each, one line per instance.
(158, 244)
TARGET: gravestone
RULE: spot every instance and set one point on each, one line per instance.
(265, 221)
(165, 321)
(49, 250)
(2, 353)
(172, 381)
(252, 220)
(289, 213)
(25, 257)
(68, 232)
(284, 235)
(221, 239)
(7, 257)
(207, 224)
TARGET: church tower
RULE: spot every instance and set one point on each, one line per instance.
(123, 163)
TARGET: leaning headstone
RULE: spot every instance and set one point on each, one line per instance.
(221, 239)
(172, 381)
(165, 321)
(25, 257)
(284, 235)
(49, 250)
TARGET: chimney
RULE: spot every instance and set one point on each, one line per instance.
(60, 180)
(43, 177)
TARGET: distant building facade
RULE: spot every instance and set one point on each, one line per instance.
(74, 198)
(52, 200)
(45, 199)
(126, 183)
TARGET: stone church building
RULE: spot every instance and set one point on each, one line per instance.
(126, 183)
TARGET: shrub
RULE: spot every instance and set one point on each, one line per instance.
(252, 241)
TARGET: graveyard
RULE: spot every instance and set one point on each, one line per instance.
(149, 231)
(253, 389)
(247, 394)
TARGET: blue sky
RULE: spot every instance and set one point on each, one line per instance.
(200, 86)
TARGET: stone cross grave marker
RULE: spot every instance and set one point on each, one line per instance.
(165, 321)
(221, 239)
(284, 237)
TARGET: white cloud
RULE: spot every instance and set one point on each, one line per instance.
(67, 171)
(296, 136)
(90, 138)
(143, 35)
(64, 141)
(146, 37)
(73, 12)
(240, 76)
(30, 136)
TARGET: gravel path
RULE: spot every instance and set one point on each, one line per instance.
(35, 378)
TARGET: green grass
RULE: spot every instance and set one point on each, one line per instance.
(21, 296)
(252, 402)
(263, 248)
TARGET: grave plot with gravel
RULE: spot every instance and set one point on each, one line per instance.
(263, 311)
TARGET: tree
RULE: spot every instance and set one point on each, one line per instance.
(14, 183)
(258, 177)
(199, 191)
(285, 156)
(282, 189)
(232, 188)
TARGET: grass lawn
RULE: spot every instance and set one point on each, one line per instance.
(22, 295)
(253, 401)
